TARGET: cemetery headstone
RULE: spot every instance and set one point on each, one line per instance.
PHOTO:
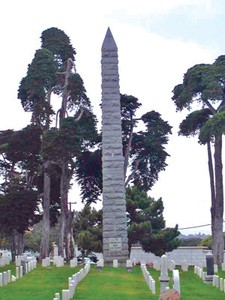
(55, 250)
(5, 278)
(184, 266)
(129, 265)
(9, 276)
(100, 264)
(209, 267)
(171, 265)
(73, 262)
(164, 278)
(21, 271)
(223, 266)
(215, 268)
(176, 280)
(115, 263)
(24, 265)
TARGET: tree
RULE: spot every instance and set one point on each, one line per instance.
(146, 225)
(207, 242)
(17, 213)
(52, 71)
(144, 152)
(19, 171)
(88, 230)
(32, 238)
(71, 139)
(204, 84)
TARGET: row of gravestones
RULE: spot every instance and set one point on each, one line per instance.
(164, 278)
(148, 278)
(115, 264)
(184, 265)
(26, 267)
(171, 265)
(214, 279)
(58, 261)
(73, 281)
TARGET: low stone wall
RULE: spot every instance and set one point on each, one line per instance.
(191, 255)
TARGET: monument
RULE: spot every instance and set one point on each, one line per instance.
(115, 241)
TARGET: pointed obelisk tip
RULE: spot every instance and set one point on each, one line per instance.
(109, 42)
(109, 33)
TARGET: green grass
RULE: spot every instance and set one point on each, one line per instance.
(106, 284)
(39, 284)
(192, 287)
(113, 283)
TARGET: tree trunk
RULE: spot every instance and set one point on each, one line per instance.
(65, 178)
(20, 237)
(64, 186)
(69, 236)
(217, 208)
(212, 183)
(17, 243)
(44, 248)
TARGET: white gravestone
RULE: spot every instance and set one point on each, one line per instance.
(5, 278)
(215, 268)
(21, 271)
(171, 264)
(176, 280)
(184, 266)
(115, 263)
(9, 276)
(164, 278)
(223, 266)
(100, 263)
(129, 265)
(73, 262)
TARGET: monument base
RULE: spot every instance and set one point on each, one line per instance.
(121, 262)
(208, 278)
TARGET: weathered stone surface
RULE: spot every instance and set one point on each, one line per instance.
(115, 242)
(170, 294)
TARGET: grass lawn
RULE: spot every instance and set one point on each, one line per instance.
(192, 287)
(118, 284)
(106, 284)
(113, 283)
(40, 284)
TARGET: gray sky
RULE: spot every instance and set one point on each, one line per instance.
(157, 42)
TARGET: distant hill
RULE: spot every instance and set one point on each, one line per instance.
(192, 239)
(194, 236)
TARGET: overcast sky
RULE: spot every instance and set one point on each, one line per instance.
(157, 42)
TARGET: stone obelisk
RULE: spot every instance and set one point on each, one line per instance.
(115, 241)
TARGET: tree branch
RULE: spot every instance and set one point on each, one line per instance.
(127, 150)
(131, 176)
(212, 109)
(80, 115)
